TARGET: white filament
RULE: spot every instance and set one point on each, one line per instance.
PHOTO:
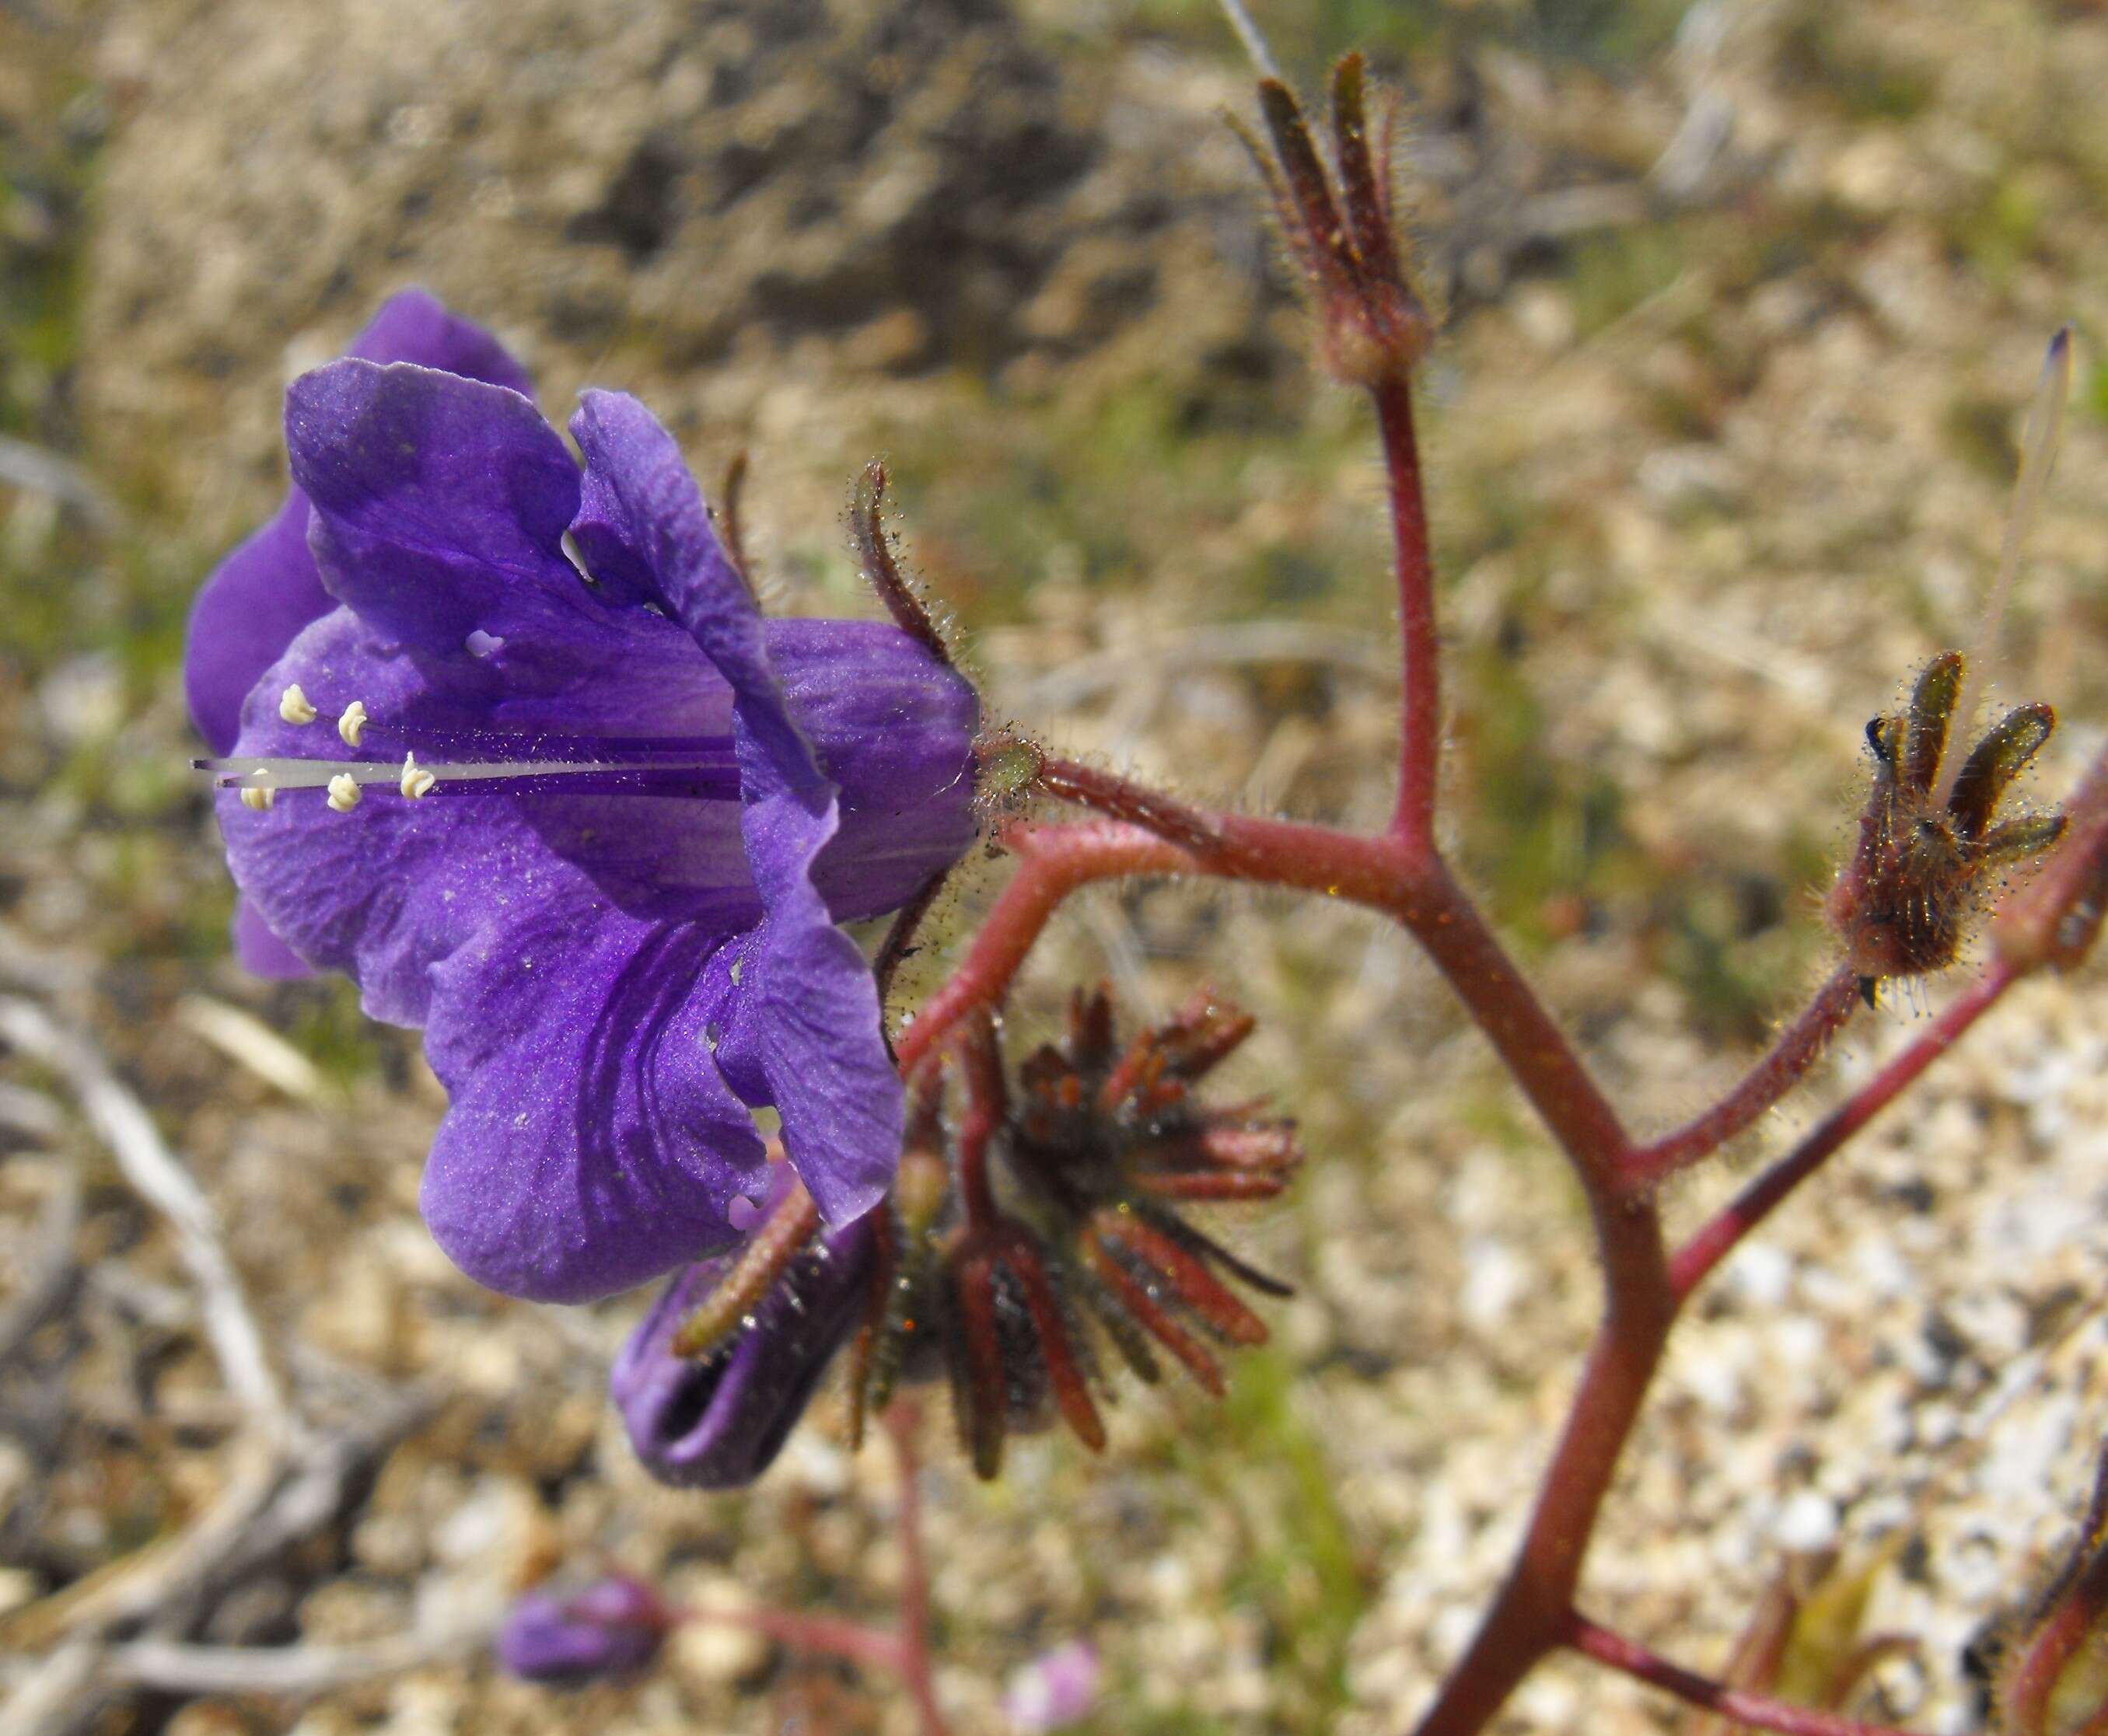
(277, 773)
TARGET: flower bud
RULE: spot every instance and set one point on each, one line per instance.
(717, 1420)
(613, 1628)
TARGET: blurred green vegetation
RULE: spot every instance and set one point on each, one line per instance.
(1257, 1460)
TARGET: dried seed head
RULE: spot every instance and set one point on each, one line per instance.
(1040, 1223)
(1374, 324)
(1930, 847)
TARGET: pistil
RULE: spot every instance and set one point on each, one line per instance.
(697, 768)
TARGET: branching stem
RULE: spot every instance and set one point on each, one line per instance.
(1715, 1240)
(1630, 1658)
(1402, 875)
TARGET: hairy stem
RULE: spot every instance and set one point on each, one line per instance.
(898, 946)
(1532, 1613)
(1413, 887)
(1047, 871)
(1420, 713)
(1122, 798)
(1797, 1048)
(1630, 1658)
(1715, 1240)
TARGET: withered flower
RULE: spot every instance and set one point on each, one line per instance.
(1040, 1212)
(1025, 1229)
(1373, 322)
(1928, 842)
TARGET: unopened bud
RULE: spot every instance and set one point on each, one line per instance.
(612, 1628)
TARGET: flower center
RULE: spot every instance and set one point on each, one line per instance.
(495, 761)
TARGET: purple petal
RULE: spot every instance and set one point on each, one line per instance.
(256, 600)
(268, 589)
(440, 504)
(643, 522)
(719, 1421)
(388, 891)
(1057, 1688)
(413, 325)
(591, 1143)
(261, 953)
(799, 1029)
(802, 1024)
(894, 729)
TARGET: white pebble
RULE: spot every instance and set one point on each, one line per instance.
(1807, 1522)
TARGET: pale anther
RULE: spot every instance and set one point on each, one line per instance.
(417, 781)
(353, 721)
(343, 792)
(294, 706)
(257, 800)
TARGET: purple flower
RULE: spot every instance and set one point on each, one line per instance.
(592, 830)
(613, 1628)
(719, 1421)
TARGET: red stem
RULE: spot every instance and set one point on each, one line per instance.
(904, 1422)
(1390, 875)
(1045, 876)
(1630, 1658)
(1790, 1057)
(1716, 1239)
(1419, 717)
(1530, 1614)
(831, 1636)
(1122, 798)
(905, 1653)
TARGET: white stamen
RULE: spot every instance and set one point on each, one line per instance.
(352, 722)
(259, 801)
(294, 706)
(290, 773)
(416, 780)
(343, 793)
